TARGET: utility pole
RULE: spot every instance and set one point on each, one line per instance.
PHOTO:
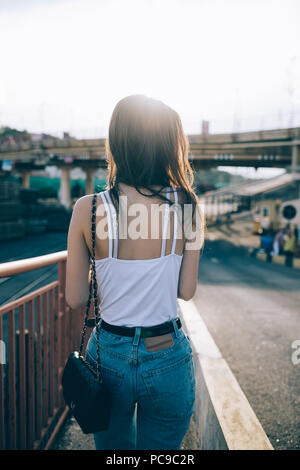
(237, 112)
(42, 116)
(291, 88)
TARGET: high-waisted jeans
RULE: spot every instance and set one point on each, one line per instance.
(153, 393)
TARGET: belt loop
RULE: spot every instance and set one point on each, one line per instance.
(137, 336)
(175, 327)
(95, 327)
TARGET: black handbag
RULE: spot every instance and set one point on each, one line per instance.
(83, 389)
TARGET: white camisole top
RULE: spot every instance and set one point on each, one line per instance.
(138, 292)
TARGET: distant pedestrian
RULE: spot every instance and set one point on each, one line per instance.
(297, 240)
(278, 242)
(289, 246)
(267, 241)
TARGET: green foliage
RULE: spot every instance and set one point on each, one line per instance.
(8, 131)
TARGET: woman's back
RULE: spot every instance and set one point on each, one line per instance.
(138, 264)
(148, 260)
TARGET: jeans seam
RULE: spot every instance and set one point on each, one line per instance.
(161, 370)
(90, 358)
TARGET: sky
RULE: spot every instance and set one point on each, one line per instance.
(66, 63)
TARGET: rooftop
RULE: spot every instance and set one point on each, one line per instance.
(252, 188)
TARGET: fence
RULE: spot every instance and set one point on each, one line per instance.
(39, 331)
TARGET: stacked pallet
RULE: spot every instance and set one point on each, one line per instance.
(23, 213)
(58, 217)
(11, 225)
(41, 216)
(32, 211)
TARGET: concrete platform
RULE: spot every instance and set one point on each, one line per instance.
(72, 438)
(223, 416)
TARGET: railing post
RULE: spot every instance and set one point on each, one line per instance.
(22, 409)
(38, 359)
(12, 380)
(52, 314)
(31, 376)
(61, 326)
(45, 359)
(2, 403)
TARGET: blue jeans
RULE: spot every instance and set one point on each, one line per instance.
(153, 393)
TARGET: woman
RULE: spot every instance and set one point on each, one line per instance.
(143, 265)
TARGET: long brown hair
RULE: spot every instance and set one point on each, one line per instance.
(147, 147)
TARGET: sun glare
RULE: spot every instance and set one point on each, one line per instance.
(71, 61)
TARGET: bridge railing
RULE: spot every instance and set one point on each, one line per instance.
(37, 331)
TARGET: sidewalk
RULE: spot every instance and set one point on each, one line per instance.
(72, 438)
(278, 259)
(239, 233)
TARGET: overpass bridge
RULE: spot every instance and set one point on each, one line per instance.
(279, 148)
(260, 148)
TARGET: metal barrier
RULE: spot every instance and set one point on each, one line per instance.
(40, 330)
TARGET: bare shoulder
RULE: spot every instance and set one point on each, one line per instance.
(81, 215)
(83, 204)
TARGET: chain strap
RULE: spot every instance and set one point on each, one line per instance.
(92, 291)
(85, 320)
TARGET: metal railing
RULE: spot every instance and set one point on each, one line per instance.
(39, 331)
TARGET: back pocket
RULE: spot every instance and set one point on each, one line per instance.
(172, 389)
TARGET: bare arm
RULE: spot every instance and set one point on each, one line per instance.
(188, 277)
(77, 285)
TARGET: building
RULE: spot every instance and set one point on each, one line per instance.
(275, 202)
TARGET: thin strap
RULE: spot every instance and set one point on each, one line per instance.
(114, 224)
(109, 222)
(93, 289)
(165, 226)
(175, 220)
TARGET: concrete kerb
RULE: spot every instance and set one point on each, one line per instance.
(278, 259)
(223, 415)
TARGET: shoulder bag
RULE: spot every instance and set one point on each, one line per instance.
(83, 389)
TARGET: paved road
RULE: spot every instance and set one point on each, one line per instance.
(252, 309)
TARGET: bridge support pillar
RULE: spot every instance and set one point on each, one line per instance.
(89, 183)
(64, 192)
(25, 179)
(214, 207)
(295, 158)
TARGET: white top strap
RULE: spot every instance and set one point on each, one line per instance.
(175, 220)
(165, 226)
(114, 224)
(109, 222)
